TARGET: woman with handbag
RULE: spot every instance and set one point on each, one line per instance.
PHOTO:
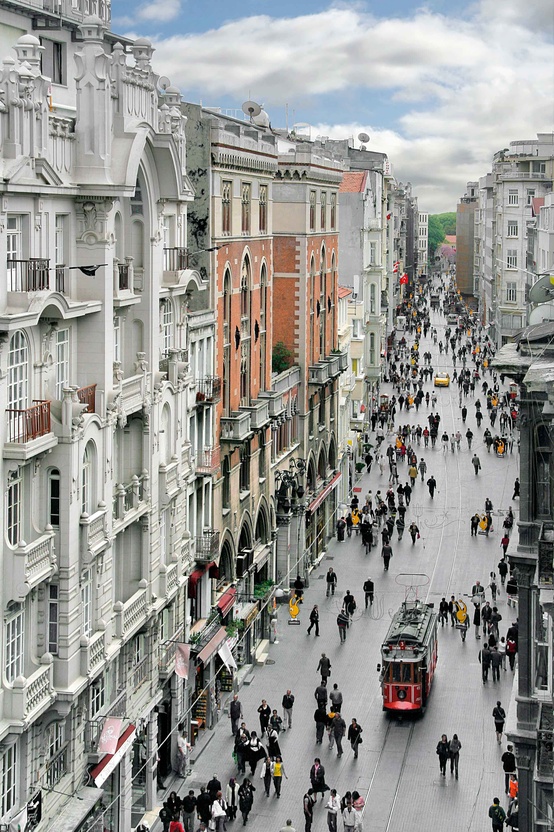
(354, 737)
(232, 797)
(246, 799)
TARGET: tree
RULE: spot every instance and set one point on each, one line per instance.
(448, 221)
(436, 233)
(281, 358)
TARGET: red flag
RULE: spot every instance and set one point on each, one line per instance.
(111, 730)
(182, 656)
(395, 268)
(389, 216)
(404, 279)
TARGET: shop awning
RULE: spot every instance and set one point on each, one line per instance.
(227, 600)
(213, 645)
(194, 577)
(77, 808)
(325, 493)
(109, 763)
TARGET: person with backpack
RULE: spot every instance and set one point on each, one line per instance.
(497, 815)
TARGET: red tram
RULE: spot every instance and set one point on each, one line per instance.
(409, 657)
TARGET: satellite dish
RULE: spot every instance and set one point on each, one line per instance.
(363, 137)
(543, 290)
(164, 82)
(544, 312)
(250, 108)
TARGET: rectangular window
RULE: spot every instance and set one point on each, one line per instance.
(54, 497)
(62, 362)
(164, 536)
(513, 196)
(511, 292)
(262, 209)
(59, 239)
(323, 212)
(117, 338)
(511, 258)
(530, 195)
(53, 60)
(53, 609)
(372, 299)
(372, 349)
(14, 646)
(14, 246)
(356, 366)
(86, 602)
(166, 325)
(312, 210)
(97, 696)
(226, 193)
(333, 211)
(372, 254)
(14, 494)
(538, 167)
(245, 205)
(512, 228)
(8, 780)
(356, 328)
(56, 753)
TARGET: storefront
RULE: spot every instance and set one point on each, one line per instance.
(321, 519)
(108, 775)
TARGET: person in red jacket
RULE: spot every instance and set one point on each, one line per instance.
(176, 825)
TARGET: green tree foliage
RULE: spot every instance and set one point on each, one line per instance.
(281, 358)
(448, 221)
(436, 233)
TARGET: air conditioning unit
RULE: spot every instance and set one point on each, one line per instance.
(245, 559)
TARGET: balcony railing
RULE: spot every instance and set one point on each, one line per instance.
(87, 395)
(236, 427)
(167, 650)
(207, 545)
(30, 695)
(176, 259)
(131, 614)
(131, 495)
(60, 280)
(208, 390)
(207, 460)
(123, 274)
(318, 373)
(139, 674)
(29, 423)
(31, 275)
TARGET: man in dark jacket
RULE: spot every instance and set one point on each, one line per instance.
(485, 659)
(509, 765)
(369, 588)
(235, 713)
(432, 485)
(320, 719)
(324, 667)
(204, 805)
(321, 695)
(314, 620)
(165, 817)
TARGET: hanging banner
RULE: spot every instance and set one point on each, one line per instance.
(182, 658)
(227, 657)
(109, 737)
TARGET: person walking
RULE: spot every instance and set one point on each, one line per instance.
(443, 751)
(333, 809)
(314, 620)
(516, 489)
(414, 531)
(264, 712)
(266, 775)
(219, 813)
(277, 773)
(321, 694)
(350, 818)
(320, 719)
(476, 462)
(455, 748)
(317, 779)
(331, 581)
(443, 611)
(338, 728)
(232, 798)
(342, 622)
(496, 661)
(287, 704)
(386, 554)
(412, 473)
(355, 736)
(336, 699)
(485, 659)
(422, 469)
(349, 603)
(188, 807)
(432, 485)
(369, 589)
(341, 526)
(504, 543)
(508, 766)
(497, 815)
(499, 716)
(324, 668)
(503, 570)
(246, 799)
(235, 713)
(308, 803)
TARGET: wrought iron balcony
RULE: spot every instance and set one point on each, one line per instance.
(29, 423)
(31, 275)
(207, 545)
(208, 460)
(87, 395)
(208, 390)
(61, 280)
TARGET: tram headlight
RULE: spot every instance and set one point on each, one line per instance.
(401, 694)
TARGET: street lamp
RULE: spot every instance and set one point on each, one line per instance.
(290, 479)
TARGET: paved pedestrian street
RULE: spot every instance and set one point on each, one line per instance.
(397, 770)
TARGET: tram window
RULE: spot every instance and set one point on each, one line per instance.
(406, 672)
(399, 672)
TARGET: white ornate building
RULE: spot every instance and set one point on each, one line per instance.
(99, 394)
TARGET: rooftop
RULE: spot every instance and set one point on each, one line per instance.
(353, 182)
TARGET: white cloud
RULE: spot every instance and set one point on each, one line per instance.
(467, 86)
(162, 10)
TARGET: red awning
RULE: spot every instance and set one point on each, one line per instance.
(213, 645)
(213, 569)
(326, 491)
(227, 600)
(194, 577)
(109, 763)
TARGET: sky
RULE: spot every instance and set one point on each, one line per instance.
(439, 87)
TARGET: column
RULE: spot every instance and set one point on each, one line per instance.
(283, 550)
(126, 790)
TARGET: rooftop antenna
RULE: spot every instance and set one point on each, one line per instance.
(363, 138)
(251, 109)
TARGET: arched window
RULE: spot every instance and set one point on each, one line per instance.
(372, 299)
(245, 289)
(261, 534)
(227, 295)
(87, 480)
(165, 435)
(18, 372)
(312, 304)
(226, 490)
(54, 497)
(543, 476)
(322, 304)
(263, 324)
(244, 475)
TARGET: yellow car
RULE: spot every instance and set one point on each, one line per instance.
(442, 380)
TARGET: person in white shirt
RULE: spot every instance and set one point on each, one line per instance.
(333, 809)
(183, 749)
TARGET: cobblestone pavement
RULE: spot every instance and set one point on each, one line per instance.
(397, 769)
